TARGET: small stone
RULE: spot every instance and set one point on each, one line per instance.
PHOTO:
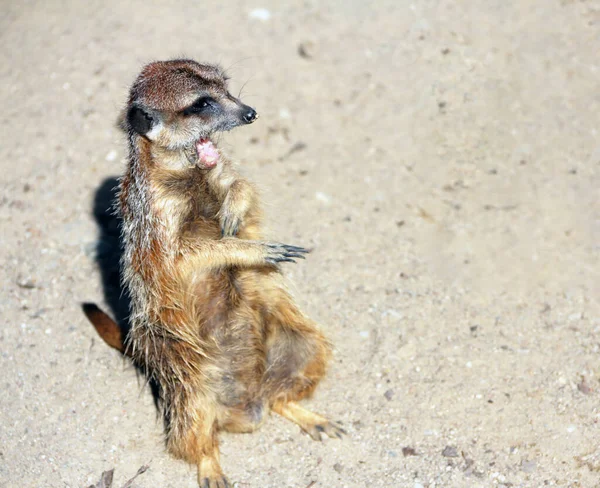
(583, 387)
(26, 283)
(323, 197)
(260, 14)
(389, 394)
(409, 451)
(306, 50)
(338, 467)
(527, 466)
(38, 313)
(450, 452)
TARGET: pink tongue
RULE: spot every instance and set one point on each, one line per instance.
(208, 155)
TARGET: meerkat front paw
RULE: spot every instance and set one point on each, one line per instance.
(283, 253)
(230, 224)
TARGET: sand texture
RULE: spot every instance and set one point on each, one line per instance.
(441, 157)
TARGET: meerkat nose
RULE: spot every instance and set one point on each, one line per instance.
(250, 115)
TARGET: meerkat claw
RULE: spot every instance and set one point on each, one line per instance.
(230, 227)
(284, 253)
(330, 428)
(215, 483)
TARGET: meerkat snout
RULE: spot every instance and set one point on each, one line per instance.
(250, 114)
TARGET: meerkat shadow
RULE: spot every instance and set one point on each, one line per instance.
(108, 252)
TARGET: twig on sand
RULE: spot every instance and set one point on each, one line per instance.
(106, 480)
(142, 470)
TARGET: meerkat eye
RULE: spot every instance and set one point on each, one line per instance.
(201, 105)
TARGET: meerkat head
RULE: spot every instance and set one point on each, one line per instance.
(179, 104)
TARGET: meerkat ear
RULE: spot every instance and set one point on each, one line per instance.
(140, 120)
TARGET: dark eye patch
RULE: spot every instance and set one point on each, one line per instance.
(200, 106)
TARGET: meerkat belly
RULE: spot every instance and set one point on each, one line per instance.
(233, 324)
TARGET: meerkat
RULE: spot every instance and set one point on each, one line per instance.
(211, 319)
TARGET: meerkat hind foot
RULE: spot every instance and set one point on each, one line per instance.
(311, 423)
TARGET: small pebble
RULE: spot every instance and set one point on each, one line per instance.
(111, 156)
(389, 394)
(408, 451)
(260, 14)
(322, 197)
(306, 50)
(528, 466)
(28, 283)
(583, 387)
(450, 452)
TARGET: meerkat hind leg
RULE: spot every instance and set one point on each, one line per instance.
(210, 474)
(311, 423)
(200, 446)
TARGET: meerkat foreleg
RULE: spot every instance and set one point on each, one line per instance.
(231, 252)
(237, 203)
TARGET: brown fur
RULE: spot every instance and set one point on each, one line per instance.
(212, 321)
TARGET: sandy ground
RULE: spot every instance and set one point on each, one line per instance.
(443, 159)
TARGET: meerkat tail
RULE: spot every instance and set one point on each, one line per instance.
(106, 327)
